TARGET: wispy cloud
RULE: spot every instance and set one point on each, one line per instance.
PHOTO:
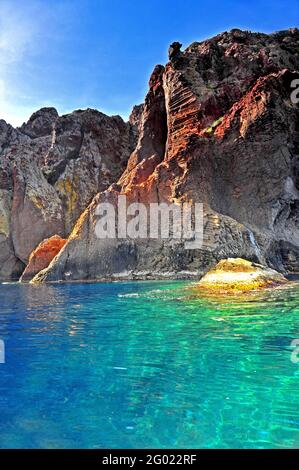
(25, 29)
(17, 32)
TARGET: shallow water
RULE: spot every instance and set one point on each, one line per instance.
(147, 364)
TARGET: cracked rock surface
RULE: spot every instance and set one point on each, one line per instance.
(218, 127)
(50, 169)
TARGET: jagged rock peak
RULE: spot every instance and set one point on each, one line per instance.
(43, 121)
(174, 49)
(40, 123)
(135, 123)
(136, 114)
(240, 36)
(86, 112)
(156, 76)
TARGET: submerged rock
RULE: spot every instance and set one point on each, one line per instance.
(237, 274)
(42, 256)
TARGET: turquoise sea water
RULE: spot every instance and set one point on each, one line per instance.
(148, 364)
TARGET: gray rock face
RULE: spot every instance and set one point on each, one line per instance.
(135, 122)
(41, 123)
(218, 127)
(50, 169)
(87, 257)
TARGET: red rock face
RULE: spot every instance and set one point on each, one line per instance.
(206, 87)
(218, 126)
(202, 89)
(150, 148)
(42, 256)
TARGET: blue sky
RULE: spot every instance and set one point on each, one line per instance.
(100, 53)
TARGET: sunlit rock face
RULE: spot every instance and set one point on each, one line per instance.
(42, 256)
(50, 169)
(235, 275)
(218, 127)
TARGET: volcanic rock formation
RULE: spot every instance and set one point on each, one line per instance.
(50, 169)
(42, 256)
(218, 127)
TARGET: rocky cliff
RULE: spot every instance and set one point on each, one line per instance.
(218, 126)
(50, 169)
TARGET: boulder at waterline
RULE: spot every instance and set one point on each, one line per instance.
(236, 274)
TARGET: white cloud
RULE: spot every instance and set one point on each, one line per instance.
(20, 26)
(31, 35)
(17, 33)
